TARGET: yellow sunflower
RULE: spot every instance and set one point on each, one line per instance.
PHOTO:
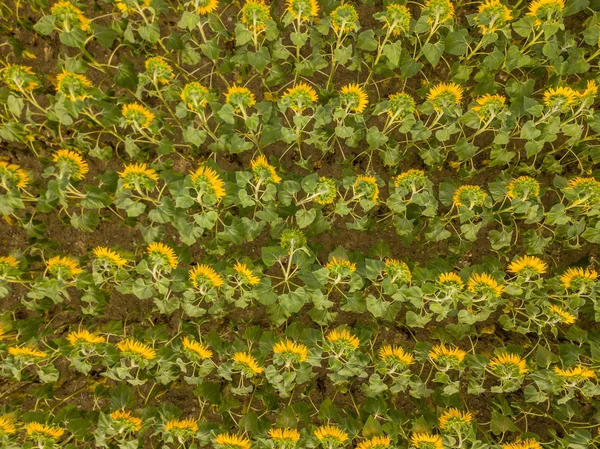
(392, 355)
(109, 256)
(343, 338)
(205, 179)
(245, 274)
(84, 336)
(426, 441)
(71, 164)
(263, 171)
(163, 253)
(136, 176)
(527, 265)
(247, 363)
(293, 351)
(375, 443)
(230, 441)
(354, 97)
(43, 431)
(509, 364)
(445, 95)
(126, 419)
(11, 175)
(331, 434)
(198, 349)
(63, 266)
(204, 276)
(131, 347)
(483, 283)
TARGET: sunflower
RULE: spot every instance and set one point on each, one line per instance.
(354, 97)
(230, 441)
(263, 171)
(240, 98)
(245, 274)
(199, 350)
(489, 106)
(63, 266)
(13, 176)
(411, 181)
(578, 277)
(450, 279)
(589, 93)
(445, 95)
(325, 191)
(194, 95)
(136, 349)
(492, 15)
(300, 97)
(397, 19)
(469, 196)
(529, 443)
(131, 6)
(287, 437)
(73, 85)
(84, 337)
(523, 188)
(205, 277)
(8, 262)
(7, 425)
(527, 266)
(255, 15)
(508, 365)
(303, 9)
(138, 176)
(291, 352)
(163, 254)
(70, 164)
(67, 16)
(207, 180)
(366, 186)
(183, 428)
(23, 352)
(395, 355)
(205, 7)
(137, 115)
(375, 443)
(159, 70)
(438, 11)
(546, 11)
(340, 268)
(560, 98)
(562, 315)
(343, 339)
(451, 357)
(247, 364)
(401, 105)
(20, 78)
(109, 257)
(426, 441)
(397, 271)
(344, 19)
(587, 190)
(484, 284)
(40, 431)
(454, 421)
(292, 239)
(126, 420)
(331, 435)
(575, 374)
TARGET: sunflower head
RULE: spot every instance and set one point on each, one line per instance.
(507, 365)
(469, 196)
(162, 255)
(182, 428)
(450, 280)
(411, 181)
(137, 115)
(325, 191)
(63, 267)
(231, 441)
(366, 187)
(26, 354)
(292, 239)
(447, 357)
(588, 95)
(131, 6)
(344, 19)
(354, 98)
(195, 350)
(340, 268)
(245, 274)
(445, 95)
(578, 278)
(73, 85)
(43, 432)
(246, 364)
(205, 278)
(524, 188)
(136, 350)
(108, 257)
(290, 352)
(397, 272)
(546, 11)
(8, 264)
(529, 443)
(483, 284)
(489, 106)
(20, 78)
(304, 9)
(453, 421)
(300, 97)
(67, 16)
(13, 177)
(284, 438)
(561, 98)
(239, 98)
(492, 15)
(527, 266)
(7, 426)
(438, 11)
(401, 105)
(159, 70)
(426, 441)
(575, 375)
(84, 338)
(255, 15)
(125, 421)
(70, 165)
(138, 176)
(330, 436)
(397, 19)
(395, 357)
(195, 95)
(263, 171)
(343, 340)
(560, 315)
(205, 7)
(207, 181)
(585, 191)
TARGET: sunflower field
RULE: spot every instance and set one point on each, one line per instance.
(300, 224)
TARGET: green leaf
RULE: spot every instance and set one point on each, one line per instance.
(150, 33)
(304, 217)
(366, 41)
